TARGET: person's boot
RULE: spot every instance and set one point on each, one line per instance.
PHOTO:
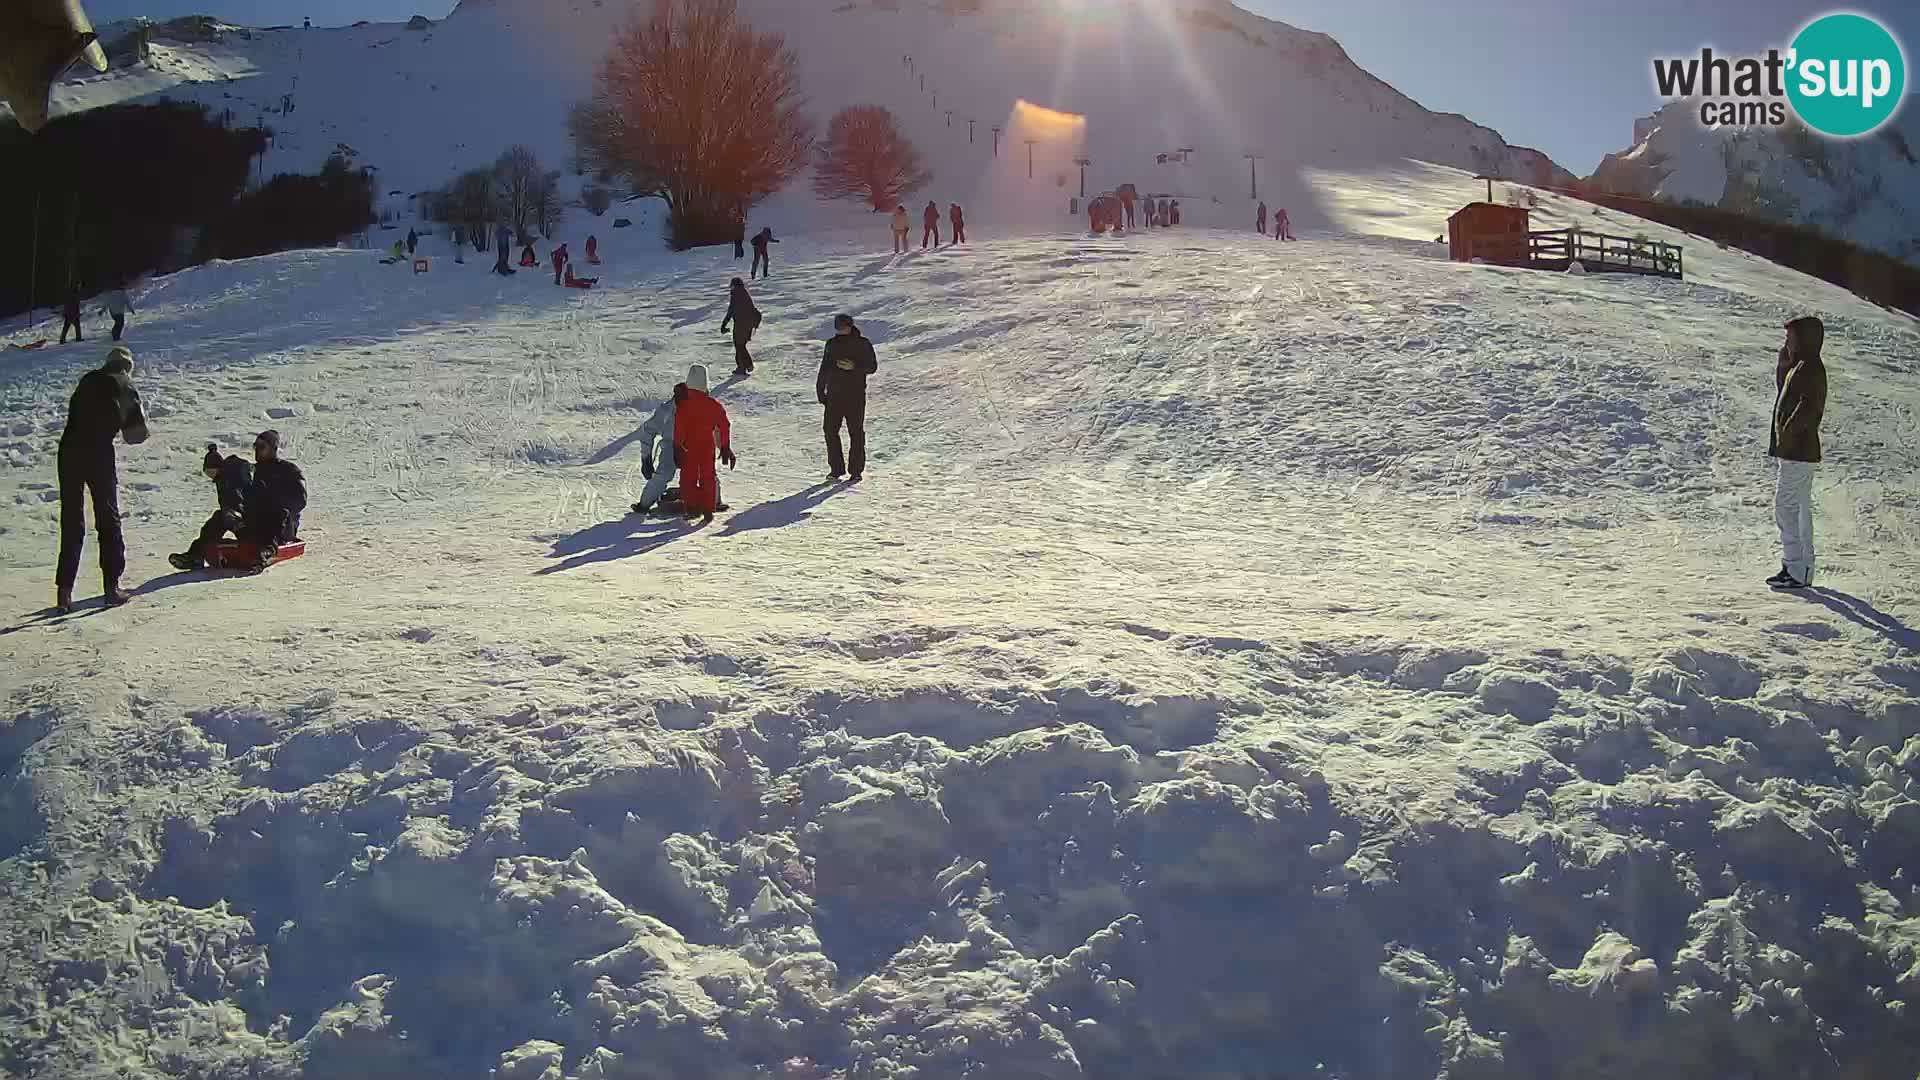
(183, 561)
(113, 594)
(1780, 578)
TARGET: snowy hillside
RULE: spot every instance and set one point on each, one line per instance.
(1151, 77)
(1865, 190)
(1356, 667)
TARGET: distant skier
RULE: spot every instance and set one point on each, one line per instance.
(1261, 218)
(117, 305)
(842, 389)
(503, 240)
(1282, 228)
(70, 315)
(232, 476)
(930, 225)
(958, 219)
(744, 319)
(762, 265)
(413, 242)
(275, 500)
(699, 429)
(656, 452)
(104, 405)
(593, 251)
(902, 227)
(1800, 402)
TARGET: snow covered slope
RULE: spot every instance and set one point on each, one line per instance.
(1151, 76)
(1866, 190)
(1354, 667)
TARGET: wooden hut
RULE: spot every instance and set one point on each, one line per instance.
(1490, 232)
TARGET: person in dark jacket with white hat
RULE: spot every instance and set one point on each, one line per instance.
(231, 476)
(104, 406)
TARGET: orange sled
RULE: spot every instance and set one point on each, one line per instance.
(239, 554)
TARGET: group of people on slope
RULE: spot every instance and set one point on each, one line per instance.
(1282, 226)
(1116, 210)
(686, 433)
(902, 226)
(260, 505)
(113, 302)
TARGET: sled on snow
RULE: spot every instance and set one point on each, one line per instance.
(240, 554)
(30, 346)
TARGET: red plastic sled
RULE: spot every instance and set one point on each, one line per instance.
(239, 554)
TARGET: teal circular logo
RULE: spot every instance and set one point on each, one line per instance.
(1846, 75)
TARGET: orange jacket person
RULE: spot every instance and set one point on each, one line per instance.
(699, 428)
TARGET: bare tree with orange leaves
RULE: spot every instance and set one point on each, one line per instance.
(691, 104)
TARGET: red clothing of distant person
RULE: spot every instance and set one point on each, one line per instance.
(700, 430)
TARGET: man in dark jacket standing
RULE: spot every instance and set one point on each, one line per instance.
(275, 500)
(104, 405)
(958, 219)
(1798, 406)
(762, 265)
(842, 388)
(231, 477)
(744, 318)
(930, 219)
(503, 240)
(70, 315)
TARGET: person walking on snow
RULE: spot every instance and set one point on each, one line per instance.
(593, 251)
(959, 222)
(275, 500)
(930, 223)
(1127, 196)
(70, 315)
(103, 406)
(901, 228)
(1261, 218)
(1282, 228)
(1800, 377)
(739, 235)
(118, 305)
(413, 241)
(842, 390)
(503, 240)
(745, 319)
(559, 262)
(762, 265)
(699, 429)
(231, 476)
(459, 244)
(656, 451)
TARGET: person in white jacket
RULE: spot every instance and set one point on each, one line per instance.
(117, 305)
(900, 227)
(656, 456)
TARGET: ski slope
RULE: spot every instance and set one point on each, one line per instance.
(1243, 659)
(420, 106)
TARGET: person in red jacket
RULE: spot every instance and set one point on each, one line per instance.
(699, 428)
(930, 217)
(559, 262)
(1282, 228)
(959, 221)
(593, 251)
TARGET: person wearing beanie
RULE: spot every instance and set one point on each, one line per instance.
(744, 318)
(231, 476)
(105, 405)
(657, 462)
(842, 389)
(699, 429)
(275, 500)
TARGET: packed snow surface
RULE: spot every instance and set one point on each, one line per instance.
(1243, 659)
